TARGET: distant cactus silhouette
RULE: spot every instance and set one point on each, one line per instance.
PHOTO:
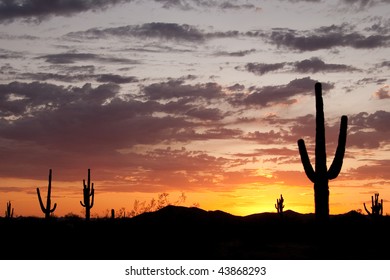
(321, 175)
(376, 206)
(112, 214)
(47, 210)
(279, 205)
(9, 212)
(88, 191)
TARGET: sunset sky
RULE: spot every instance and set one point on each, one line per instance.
(203, 97)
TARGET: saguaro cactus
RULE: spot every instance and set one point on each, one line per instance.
(321, 175)
(9, 212)
(88, 192)
(47, 210)
(376, 206)
(279, 205)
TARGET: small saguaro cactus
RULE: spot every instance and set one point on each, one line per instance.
(9, 212)
(47, 210)
(376, 206)
(279, 205)
(321, 175)
(88, 191)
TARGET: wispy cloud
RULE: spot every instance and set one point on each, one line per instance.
(326, 37)
(312, 65)
(283, 94)
(72, 57)
(38, 10)
(153, 30)
(207, 4)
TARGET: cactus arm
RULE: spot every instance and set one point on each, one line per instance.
(368, 212)
(93, 196)
(54, 207)
(40, 201)
(306, 161)
(337, 163)
(46, 210)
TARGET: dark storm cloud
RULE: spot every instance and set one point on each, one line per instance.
(71, 57)
(326, 37)
(38, 10)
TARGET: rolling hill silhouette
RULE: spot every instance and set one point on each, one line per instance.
(177, 232)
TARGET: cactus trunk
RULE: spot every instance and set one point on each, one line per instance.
(88, 191)
(321, 175)
(47, 210)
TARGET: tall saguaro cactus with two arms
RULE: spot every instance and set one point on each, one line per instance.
(321, 175)
(47, 210)
(88, 191)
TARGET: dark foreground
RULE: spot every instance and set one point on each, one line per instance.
(191, 233)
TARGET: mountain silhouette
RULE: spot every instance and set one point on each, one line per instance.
(178, 232)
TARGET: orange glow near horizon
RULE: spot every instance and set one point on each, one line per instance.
(245, 199)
